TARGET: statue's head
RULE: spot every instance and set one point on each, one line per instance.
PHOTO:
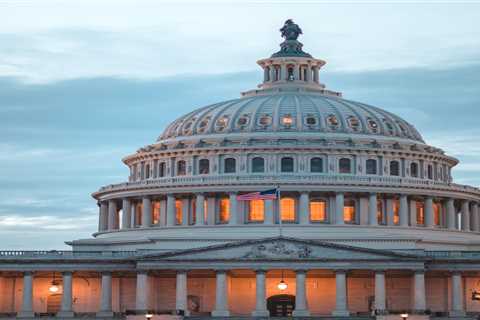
(289, 21)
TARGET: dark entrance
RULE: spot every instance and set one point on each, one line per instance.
(281, 305)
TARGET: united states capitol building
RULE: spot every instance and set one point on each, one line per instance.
(368, 222)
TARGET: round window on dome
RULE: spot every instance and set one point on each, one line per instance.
(202, 126)
(187, 128)
(332, 122)
(311, 120)
(287, 120)
(243, 121)
(265, 120)
(402, 128)
(389, 126)
(222, 123)
(373, 125)
(353, 123)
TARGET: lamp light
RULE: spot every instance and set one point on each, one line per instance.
(54, 286)
(282, 284)
(404, 316)
(148, 316)
(475, 295)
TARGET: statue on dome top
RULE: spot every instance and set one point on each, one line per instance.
(290, 30)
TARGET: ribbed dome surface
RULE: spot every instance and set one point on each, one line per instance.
(291, 112)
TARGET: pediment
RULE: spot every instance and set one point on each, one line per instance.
(279, 248)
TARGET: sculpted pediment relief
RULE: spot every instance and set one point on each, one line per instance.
(278, 249)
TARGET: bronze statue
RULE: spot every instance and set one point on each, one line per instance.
(290, 30)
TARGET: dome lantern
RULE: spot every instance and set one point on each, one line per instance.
(291, 69)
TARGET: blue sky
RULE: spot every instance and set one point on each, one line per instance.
(83, 84)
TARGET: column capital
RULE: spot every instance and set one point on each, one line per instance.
(145, 272)
(419, 271)
(379, 271)
(106, 273)
(260, 271)
(455, 272)
(341, 271)
(28, 273)
(301, 270)
(67, 273)
(181, 271)
(221, 271)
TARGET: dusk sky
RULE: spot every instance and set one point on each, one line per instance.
(83, 84)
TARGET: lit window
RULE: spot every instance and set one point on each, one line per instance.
(380, 215)
(371, 166)
(222, 123)
(372, 124)
(437, 209)
(161, 169)
(394, 168)
(332, 121)
(204, 166)
(318, 210)
(258, 165)
(414, 169)
(224, 210)
(205, 210)
(287, 209)
(420, 213)
(396, 211)
(178, 212)
(156, 212)
(353, 123)
(287, 121)
(188, 126)
(138, 214)
(349, 211)
(256, 210)
(265, 120)
(344, 165)
(316, 165)
(230, 165)
(202, 126)
(287, 164)
(181, 168)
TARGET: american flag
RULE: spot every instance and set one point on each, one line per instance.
(271, 194)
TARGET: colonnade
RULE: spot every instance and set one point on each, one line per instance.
(279, 72)
(221, 308)
(369, 209)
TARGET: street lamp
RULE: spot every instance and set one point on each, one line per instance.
(282, 285)
(404, 316)
(54, 287)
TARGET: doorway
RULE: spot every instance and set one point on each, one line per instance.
(281, 305)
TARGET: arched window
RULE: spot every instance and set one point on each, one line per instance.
(137, 222)
(318, 210)
(230, 165)
(256, 210)
(181, 168)
(394, 168)
(287, 209)
(287, 164)
(430, 172)
(349, 214)
(344, 165)
(178, 212)
(396, 211)
(371, 166)
(437, 211)
(155, 212)
(414, 169)
(316, 165)
(204, 166)
(224, 210)
(420, 212)
(147, 171)
(258, 164)
(161, 169)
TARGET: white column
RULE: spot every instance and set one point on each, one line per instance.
(301, 306)
(315, 76)
(403, 210)
(390, 213)
(234, 217)
(211, 208)
(27, 299)
(304, 206)
(450, 214)
(182, 292)
(221, 295)
(66, 310)
(171, 210)
(272, 73)
(268, 212)
(106, 296)
(475, 221)
(296, 72)
(103, 219)
(372, 209)
(200, 209)
(112, 214)
(339, 202)
(185, 211)
(341, 305)
(380, 293)
(142, 293)
(146, 212)
(429, 212)
(309, 73)
(457, 296)
(126, 214)
(363, 211)
(419, 291)
(465, 215)
(283, 72)
(260, 295)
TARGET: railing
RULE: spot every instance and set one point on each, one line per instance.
(67, 254)
(453, 254)
(290, 178)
